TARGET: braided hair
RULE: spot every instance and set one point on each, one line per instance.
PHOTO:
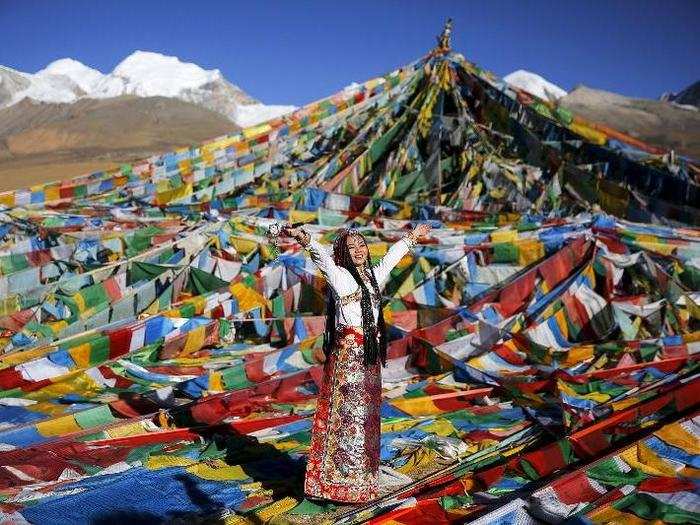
(374, 339)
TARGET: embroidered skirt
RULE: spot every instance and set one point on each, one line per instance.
(343, 460)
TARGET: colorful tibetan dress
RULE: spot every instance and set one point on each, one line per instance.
(343, 460)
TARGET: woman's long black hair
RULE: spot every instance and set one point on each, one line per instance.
(374, 333)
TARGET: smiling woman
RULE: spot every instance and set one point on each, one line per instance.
(343, 460)
(358, 249)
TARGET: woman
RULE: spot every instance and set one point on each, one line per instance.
(343, 460)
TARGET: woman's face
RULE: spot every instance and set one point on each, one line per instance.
(359, 253)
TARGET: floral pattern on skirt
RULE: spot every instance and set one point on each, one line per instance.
(343, 460)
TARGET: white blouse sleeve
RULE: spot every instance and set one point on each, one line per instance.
(392, 257)
(334, 274)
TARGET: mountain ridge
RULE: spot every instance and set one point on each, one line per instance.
(142, 74)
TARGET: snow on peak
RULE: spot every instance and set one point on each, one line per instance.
(83, 76)
(534, 84)
(48, 88)
(147, 74)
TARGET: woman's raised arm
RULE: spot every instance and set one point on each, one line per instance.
(396, 252)
(334, 274)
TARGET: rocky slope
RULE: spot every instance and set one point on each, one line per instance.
(657, 122)
(42, 142)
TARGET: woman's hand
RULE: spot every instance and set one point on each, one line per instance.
(421, 230)
(298, 234)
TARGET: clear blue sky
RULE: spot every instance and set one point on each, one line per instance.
(296, 51)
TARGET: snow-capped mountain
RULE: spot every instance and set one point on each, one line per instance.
(534, 84)
(11, 82)
(16, 86)
(86, 78)
(671, 125)
(150, 74)
(142, 74)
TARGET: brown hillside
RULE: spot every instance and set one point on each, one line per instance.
(43, 142)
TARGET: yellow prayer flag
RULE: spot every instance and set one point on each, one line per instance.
(504, 236)
(678, 437)
(247, 298)
(52, 193)
(609, 514)
(194, 341)
(130, 429)
(641, 457)
(588, 133)
(9, 305)
(662, 248)
(377, 249)
(215, 382)
(166, 461)
(441, 427)
(578, 354)
(529, 251)
(58, 427)
(218, 471)
(168, 196)
(416, 406)
(81, 355)
(302, 216)
(244, 246)
(80, 302)
(7, 199)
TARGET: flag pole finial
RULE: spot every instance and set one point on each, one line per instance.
(443, 40)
